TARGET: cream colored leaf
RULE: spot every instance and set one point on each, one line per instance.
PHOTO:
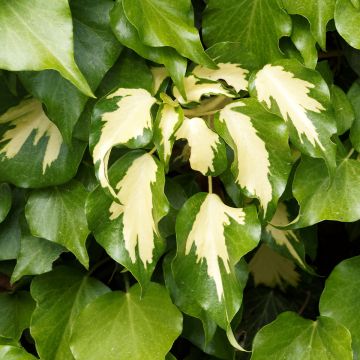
(29, 118)
(134, 195)
(122, 125)
(195, 89)
(159, 74)
(233, 74)
(202, 141)
(207, 234)
(252, 158)
(292, 97)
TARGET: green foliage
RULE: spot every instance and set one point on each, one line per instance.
(175, 176)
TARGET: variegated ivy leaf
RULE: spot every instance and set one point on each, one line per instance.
(233, 74)
(32, 151)
(302, 98)
(128, 228)
(160, 74)
(262, 156)
(168, 120)
(121, 118)
(208, 152)
(211, 238)
(196, 88)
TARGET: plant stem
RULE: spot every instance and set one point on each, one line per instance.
(210, 184)
(152, 150)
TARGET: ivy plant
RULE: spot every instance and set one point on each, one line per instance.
(179, 179)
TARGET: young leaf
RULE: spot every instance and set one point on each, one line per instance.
(128, 228)
(302, 98)
(291, 336)
(38, 36)
(5, 201)
(60, 297)
(208, 152)
(211, 239)
(10, 352)
(354, 97)
(32, 152)
(162, 24)
(262, 156)
(128, 325)
(58, 214)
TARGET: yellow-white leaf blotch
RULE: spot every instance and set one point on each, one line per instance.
(195, 89)
(292, 97)
(207, 234)
(127, 122)
(202, 141)
(134, 193)
(159, 74)
(27, 118)
(233, 74)
(252, 158)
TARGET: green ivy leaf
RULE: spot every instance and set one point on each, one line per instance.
(10, 352)
(132, 240)
(354, 97)
(302, 98)
(60, 297)
(128, 325)
(291, 336)
(211, 239)
(32, 151)
(257, 24)
(262, 156)
(340, 297)
(58, 214)
(5, 201)
(15, 313)
(38, 36)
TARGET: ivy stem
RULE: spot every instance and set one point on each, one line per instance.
(210, 184)
(152, 150)
(349, 154)
(97, 265)
(126, 281)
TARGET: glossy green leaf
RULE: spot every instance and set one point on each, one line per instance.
(32, 151)
(318, 13)
(38, 36)
(60, 297)
(128, 326)
(58, 214)
(128, 227)
(10, 352)
(293, 337)
(262, 156)
(5, 201)
(302, 98)
(354, 97)
(257, 25)
(15, 313)
(340, 297)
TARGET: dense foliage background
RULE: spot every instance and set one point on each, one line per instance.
(179, 179)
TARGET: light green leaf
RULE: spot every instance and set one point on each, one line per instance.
(262, 156)
(341, 295)
(38, 36)
(10, 352)
(168, 120)
(293, 337)
(58, 214)
(32, 151)
(128, 326)
(15, 312)
(347, 19)
(160, 23)
(318, 13)
(5, 201)
(324, 198)
(257, 25)
(208, 152)
(302, 98)
(128, 35)
(354, 97)
(60, 297)
(122, 118)
(128, 228)
(211, 238)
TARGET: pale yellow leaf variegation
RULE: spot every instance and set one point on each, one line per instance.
(207, 234)
(26, 119)
(159, 74)
(291, 94)
(126, 123)
(134, 193)
(202, 141)
(233, 74)
(252, 158)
